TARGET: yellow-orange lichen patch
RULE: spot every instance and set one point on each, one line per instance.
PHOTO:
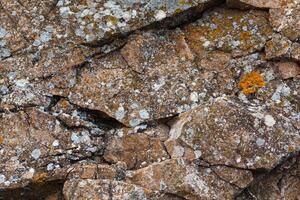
(250, 82)
(40, 177)
(245, 35)
(1, 139)
(65, 104)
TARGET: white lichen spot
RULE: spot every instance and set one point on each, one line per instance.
(162, 185)
(74, 138)
(36, 153)
(161, 82)
(134, 122)
(260, 141)
(160, 14)
(198, 154)
(199, 186)
(281, 90)
(194, 97)
(144, 114)
(2, 178)
(64, 11)
(55, 143)
(269, 120)
(3, 32)
(178, 152)
(120, 113)
(206, 44)
(45, 37)
(22, 83)
(50, 166)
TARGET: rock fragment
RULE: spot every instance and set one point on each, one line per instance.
(288, 69)
(233, 140)
(285, 19)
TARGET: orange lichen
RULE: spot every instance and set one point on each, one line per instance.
(245, 35)
(291, 149)
(65, 104)
(250, 82)
(40, 177)
(1, 139)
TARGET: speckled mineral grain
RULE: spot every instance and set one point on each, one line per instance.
(157, 100)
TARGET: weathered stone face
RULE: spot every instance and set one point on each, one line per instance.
(185, 180)
(34, 141)
(103, 189)
(226, 133)
(255, 3)
(232, 31)
(136, 150)
(158, 100)
(285, 19)
(282, 182)
(143, 75)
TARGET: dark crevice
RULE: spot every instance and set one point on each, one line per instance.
(183, 18)
(226, 181)
(259, 177)
(204, 163)
(171, 196)
(165, 149)
(18, 108)
(34, 191)
(101, 119)
(54, 100)
(110, 191)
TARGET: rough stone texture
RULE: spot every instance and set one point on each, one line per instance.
(225, 133)
(34, 142)
(285, 19)
(282, 183)
(158, 100)
(176, 176)
(255, 3)
(288, 69)
(102, 189)
(136, 150)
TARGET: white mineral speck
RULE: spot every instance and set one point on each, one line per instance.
(36, 153)
(269, 120)
(160, 15)
(260, 141)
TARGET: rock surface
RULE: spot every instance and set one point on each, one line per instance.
(158, 100)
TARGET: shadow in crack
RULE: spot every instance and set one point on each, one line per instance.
(44, 191)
